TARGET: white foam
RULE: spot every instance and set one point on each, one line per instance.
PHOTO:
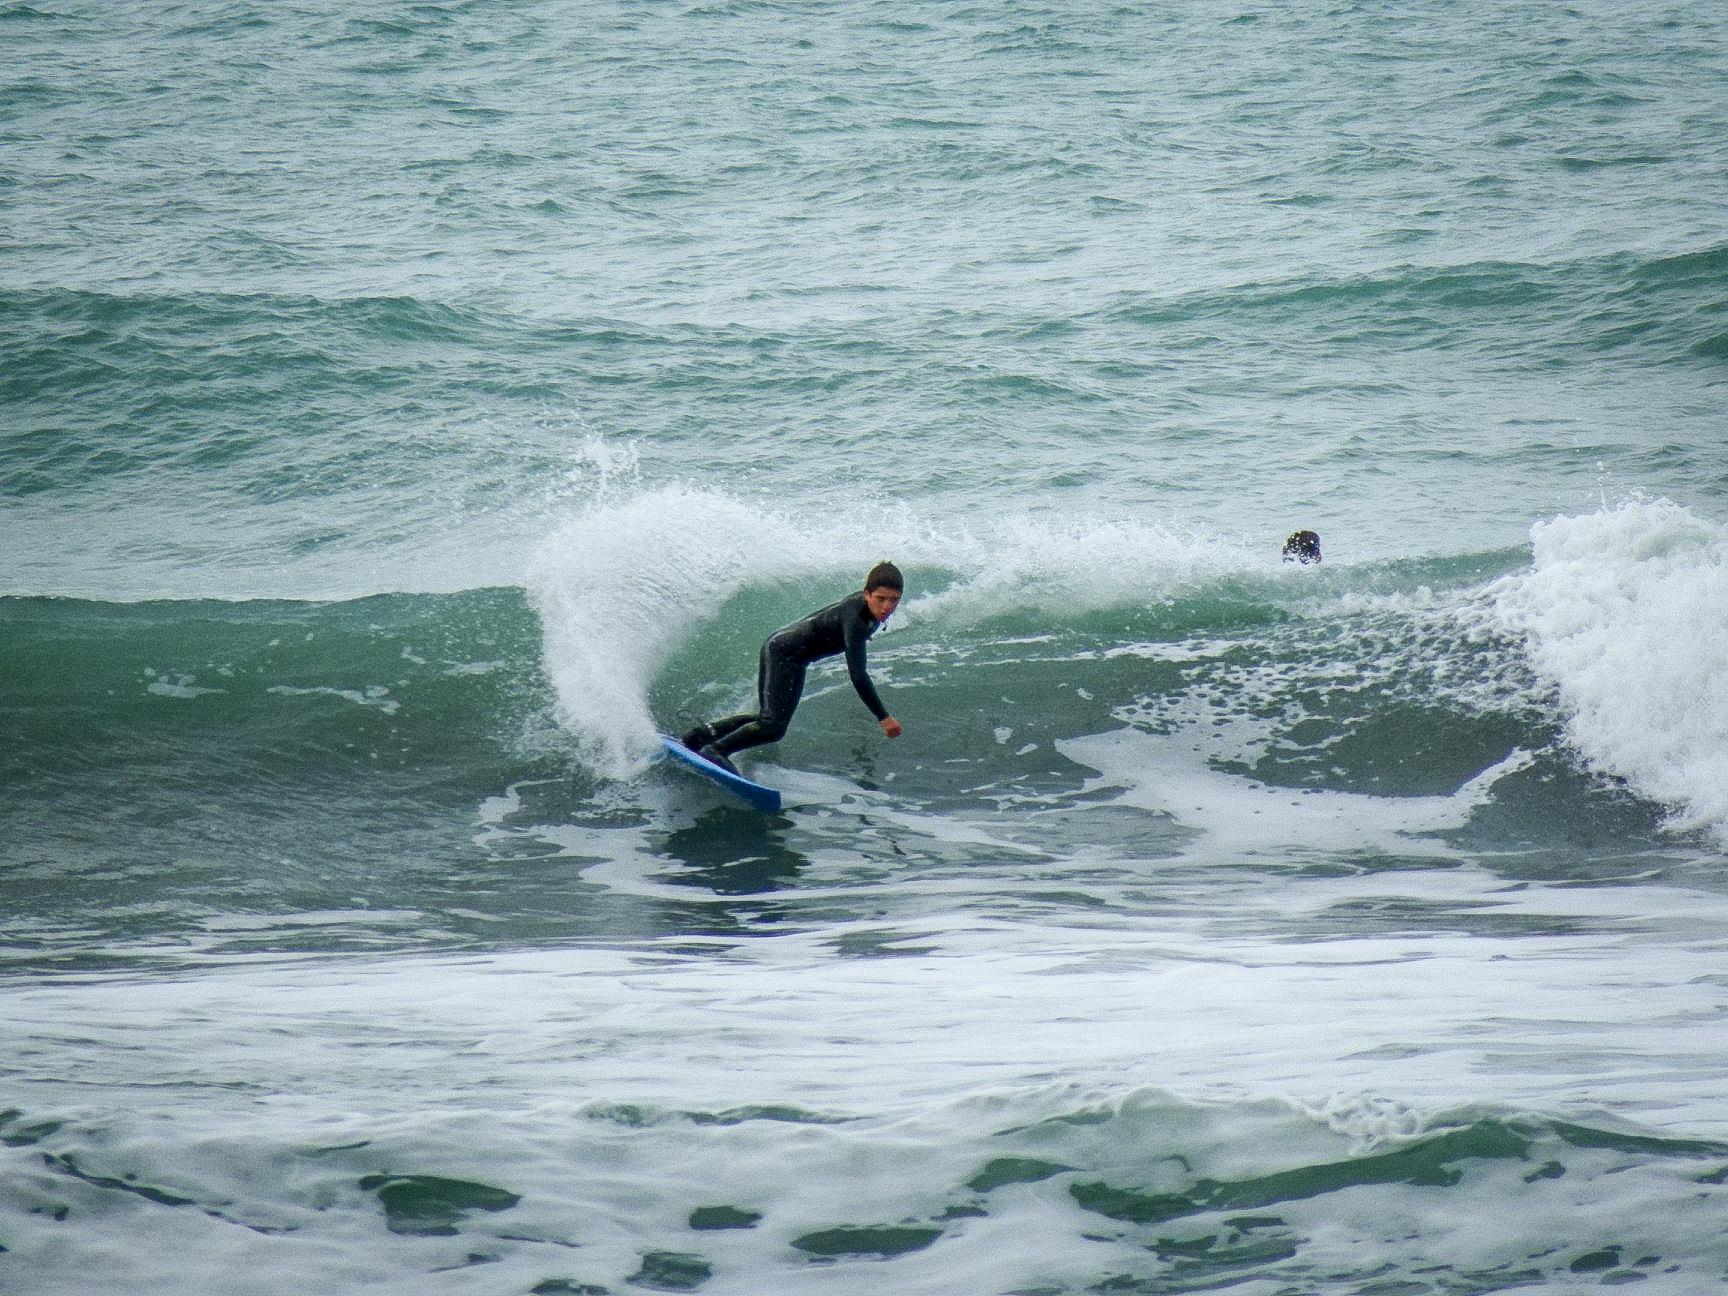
(1240, 817)
(1623, 611)
(265, 1095)
(618, 589)
(563, 1076)
(1047, 566)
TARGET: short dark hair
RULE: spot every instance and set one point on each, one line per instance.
(884, 574)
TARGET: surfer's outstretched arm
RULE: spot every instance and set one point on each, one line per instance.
(882, 590)
(866, 690)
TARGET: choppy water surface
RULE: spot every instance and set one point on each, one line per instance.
(405, 415)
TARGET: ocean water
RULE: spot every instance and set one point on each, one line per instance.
(407, 411)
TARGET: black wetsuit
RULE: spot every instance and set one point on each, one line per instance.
(840, 627)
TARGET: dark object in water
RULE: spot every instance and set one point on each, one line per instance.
(1302, 547)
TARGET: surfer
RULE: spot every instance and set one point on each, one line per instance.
(1302, 547)
(839, 627)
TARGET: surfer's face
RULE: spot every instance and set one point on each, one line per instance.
(882, 601)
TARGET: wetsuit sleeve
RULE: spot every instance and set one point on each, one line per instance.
(857, 632)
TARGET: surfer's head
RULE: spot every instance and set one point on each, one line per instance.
(884, 575)
(882, 590)
(1302, 547)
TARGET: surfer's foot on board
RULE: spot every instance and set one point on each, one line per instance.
(719, 758)
(698, 738)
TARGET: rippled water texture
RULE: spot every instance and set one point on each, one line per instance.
(406, 414)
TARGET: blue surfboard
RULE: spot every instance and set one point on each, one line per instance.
(757, 794)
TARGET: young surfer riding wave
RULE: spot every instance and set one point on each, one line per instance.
(842, 627)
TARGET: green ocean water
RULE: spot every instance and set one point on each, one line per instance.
(408, 411)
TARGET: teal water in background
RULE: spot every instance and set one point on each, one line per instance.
(406, 413)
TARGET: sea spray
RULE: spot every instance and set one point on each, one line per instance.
(1623, 610)
(620, 586)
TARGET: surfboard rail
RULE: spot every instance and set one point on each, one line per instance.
(759, 795)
